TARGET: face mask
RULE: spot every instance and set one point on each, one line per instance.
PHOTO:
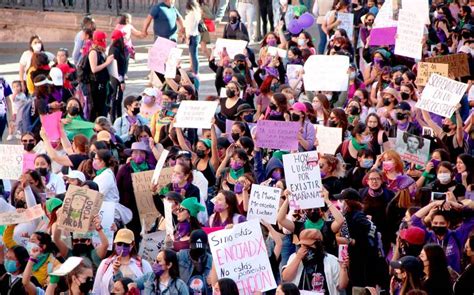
(10, 266)
(446, 128)
(147, 100)
(314, 216)
(323, 174)
(233, 19)
(331, 123)
(373, 129)
(123, 251)
(337, 48)
(136, 111)
(95, 165)
(386, 102)
(405, 95)
(378, 60)
(176, 179)
(218, 208)
(401, 116)
(236, 165)
(235, 136)
(86, 287)
(197, 254)
(465, 35)
(352, 75)
(366, 139)
(42, 171)
(20, 204)
(354, 111)
(435, 163)
(301, 42)
(388, 165)
(276, 175)
(367, 163)
(138, 159)
(73, 111)
(201, 154)
(37, 47)
(248, 118)
(230, 92)
(227, 78)
(439, 230)
(241, 66)
(28, 146)
(238, 188)
(80, 249)
(157, 269)
(274, 87)
(444, 178)
(30, 246)
(272, 42)
(295, 117)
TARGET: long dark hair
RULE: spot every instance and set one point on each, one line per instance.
(228, 286)
(231, 201)
(290, 289)
(170, 257)
(46, 240)
(438, 276)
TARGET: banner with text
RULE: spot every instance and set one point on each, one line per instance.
(15, 217)
(277, 135)
(263, 203)
(11, 159)
(195, 114)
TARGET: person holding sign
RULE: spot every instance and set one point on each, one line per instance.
(225, 210)
(181, 181)
(187, 222)
(239, 164)
(79, 280)
(306, 136)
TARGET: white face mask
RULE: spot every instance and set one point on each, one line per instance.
(444, 178)
(37, 47)
(301, 42)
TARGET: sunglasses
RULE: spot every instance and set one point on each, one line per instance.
(122, 244)
(79, 241)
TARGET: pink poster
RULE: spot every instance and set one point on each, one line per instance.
(51, 124)
(28, 162)
(382, 36)
(158, 54)
(278, 134)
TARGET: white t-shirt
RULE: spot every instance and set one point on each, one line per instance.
(56, 184)
(108, 186)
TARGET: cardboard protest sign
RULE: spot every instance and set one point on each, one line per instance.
(232, 47)
(164, 178)
(11, 159)
(240, 253)
(326, 73)
(107, 214)
(141, 182)
(172, 62)
(441, 95)
(69, 265)
(151, 245)
(195, 114)
(409, 40)
(158, 54)
(458, 64)
(347, 23)
(28, 161)
(329, 139)
(277, 134)
(303, 180)
(80, 205)
(159, 166)
(412, 148)
(15, 217)
(51, 124)
(425, 69)
(263, 203)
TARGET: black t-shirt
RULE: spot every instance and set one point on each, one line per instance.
(313, 277)
(76, 160)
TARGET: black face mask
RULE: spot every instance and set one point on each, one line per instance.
(374, 129)
(331, 123)
(200, 153)
(241, 66)
(465, 35)
(446, 128)
(230, 92)
(197, 254)
(92, 155)
(235, 136)
(28, 146)
(386, 102)
(136, 111)
(295, 117)
(86, 287)
(405, 95)
(248, 118)
(354, 111)
(272, 106)
(73, 111)
(337, 48)
(401, 116)
(20, 204)
(80, 249)
(233, 19)
(313, 216)
(439, 230)
(42, 171)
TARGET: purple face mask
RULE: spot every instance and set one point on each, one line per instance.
(238, 188)
(435, 163)
(227, 78)
(219, 208)
(236, 165)
(123, 250)
(184, 228)
(157, 269)
(138, 159)
(276, 175)
(147, 100)
(272, 42)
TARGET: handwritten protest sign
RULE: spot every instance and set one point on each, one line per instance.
(165, 177)
(385, 27)
(158, 54)
(425, 69)
(232, 47)
(141, 182)
(80, 205)
(275, 51)
(420, 7)
(107, 214)
(347, 23)
(441, 95)
(15, 217)
(11, 159)
(293, 72)
(329, 139)
(263, 203)
(51, 124)
(458, 64)
(326, 73)
(303, 180)
(195, 114)
(151, 245)
(412, 148)
(277, 134)
(172, 62)
(159, 166)
(240, 253)
(409, 41)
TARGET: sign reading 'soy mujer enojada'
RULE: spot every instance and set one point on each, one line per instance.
(79, 208)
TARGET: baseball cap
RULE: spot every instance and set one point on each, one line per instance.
(404, 106)
(104, 135)
(131, 99)
(299, 106)
(309, 236)
(52, 204)
(348, 194)
(410, 264)
(75, 174)
(124, 235)
(413, 235)
(151, 91)
(198, 239)
(117, 34)
(56, 76)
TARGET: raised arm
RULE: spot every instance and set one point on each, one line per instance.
(60, 159)
(281, 217)
(214, 152)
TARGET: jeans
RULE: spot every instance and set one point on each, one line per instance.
(247, 13)
(221, 8)
(322, 39)
(193, 52)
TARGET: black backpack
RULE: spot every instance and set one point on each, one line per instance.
(83, 70)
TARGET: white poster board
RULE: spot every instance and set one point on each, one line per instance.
(326, 73)
(420, 7)
(172, 62)
(409, 39)
(441, 95)
(11, 161)
(275, 51)
(303, 180)
(263, 203)
(232, 47)
(159, 166)
(412, 148)
(329, 139)
(195, 114)
(107, 214)
(151, 245)
(240, 253)
(347, 23)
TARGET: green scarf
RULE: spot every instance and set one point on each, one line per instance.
(139, 167)
(235, 174)
(357, 145)
(41, 260)
(99, 172)
(308, 224)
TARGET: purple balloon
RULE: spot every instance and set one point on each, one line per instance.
(306, 20)
(294, 27)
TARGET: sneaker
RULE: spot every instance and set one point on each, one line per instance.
(18, 135)
(9, 137)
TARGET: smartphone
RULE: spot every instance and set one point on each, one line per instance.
(343, 252)
(435, 196)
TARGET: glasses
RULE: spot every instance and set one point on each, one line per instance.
(181, 209)
(122, 244)
(375, 179)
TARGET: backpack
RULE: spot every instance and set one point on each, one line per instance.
(83, 70)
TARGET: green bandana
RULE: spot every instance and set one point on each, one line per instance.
(99, 172)
(308, 224)
(139, 167)
(41, 260)
(235, 174)
(357, 145)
